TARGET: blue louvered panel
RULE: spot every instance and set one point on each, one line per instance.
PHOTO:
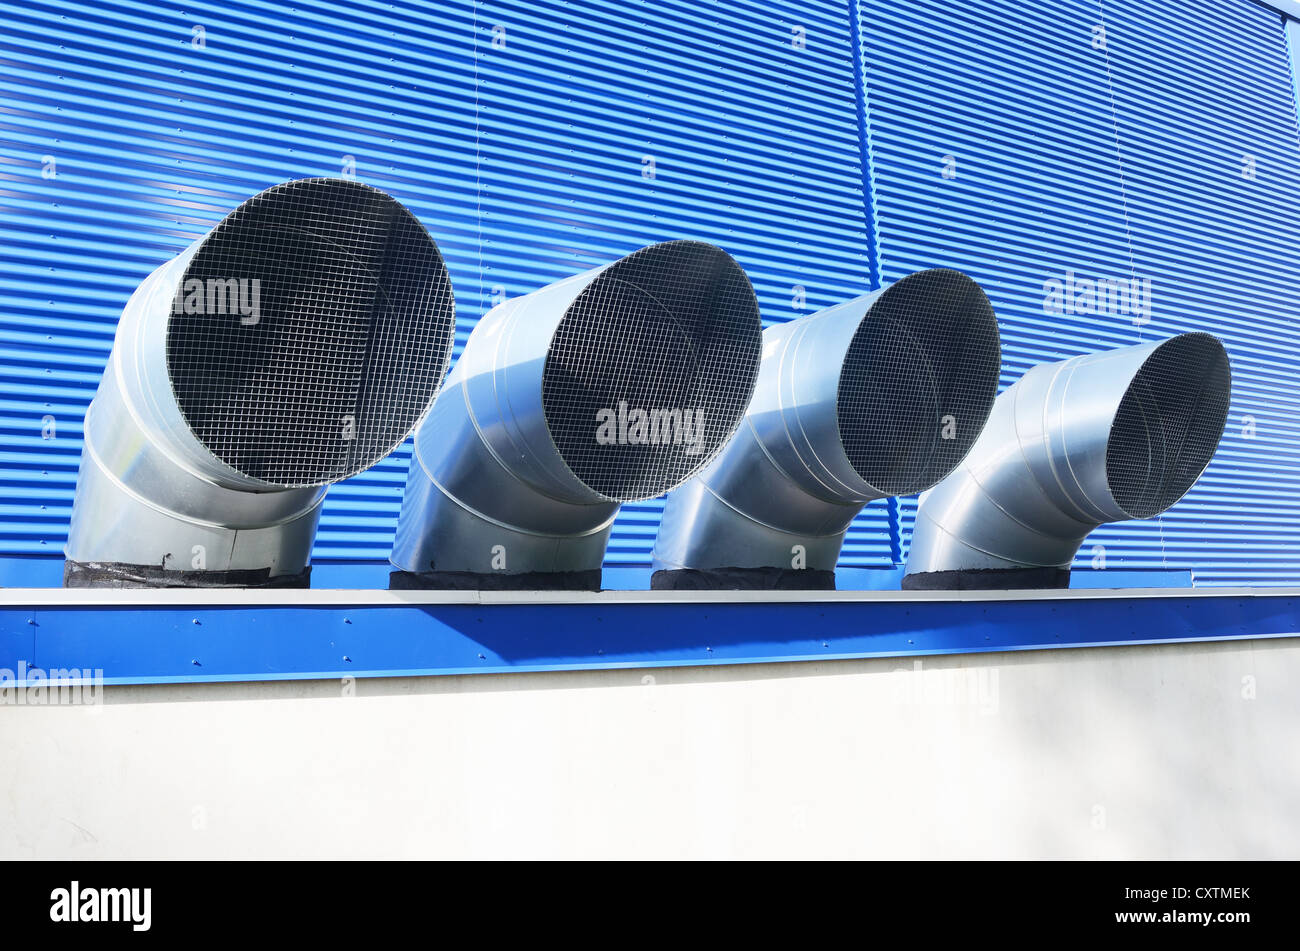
(155, 138)
(155, 135)
(1198, 97)
(1050, 177)
(754, 143)
(1010, 100)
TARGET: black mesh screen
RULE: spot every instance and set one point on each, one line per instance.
(1168, 424)
(918, 381)
(322, 366)
(652, 368)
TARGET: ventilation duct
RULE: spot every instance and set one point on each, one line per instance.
(608, 387)
(879, 396)
(1099, 438)
(294, 345)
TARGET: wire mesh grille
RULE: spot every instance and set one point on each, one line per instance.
(1168, 424)
(652, 368)
(918, 380)
(338, 341)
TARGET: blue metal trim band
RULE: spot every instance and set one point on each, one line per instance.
(338, 634)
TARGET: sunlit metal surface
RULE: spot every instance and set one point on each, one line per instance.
(878, 396)
(294, 345)
(532, 445)
(1103, 437)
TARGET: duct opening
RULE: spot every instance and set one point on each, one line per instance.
(651, 369)
(918, 381)
(1168, 424)
(310, 332)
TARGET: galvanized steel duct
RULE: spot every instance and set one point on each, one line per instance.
(294, 345)
(882, 395)
(1104, 437)
(613, 385)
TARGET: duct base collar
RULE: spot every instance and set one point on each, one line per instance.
(101, 574)
(742, 579)
(987, 579)
(494, 581)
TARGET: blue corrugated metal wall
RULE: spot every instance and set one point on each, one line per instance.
(538, 139)
(131, 128)
(521, 134)
(752, 131)
(1118, 139)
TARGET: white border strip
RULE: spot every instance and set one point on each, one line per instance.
(1288, 8)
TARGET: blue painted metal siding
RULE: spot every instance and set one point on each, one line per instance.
(1114, 139)
(517, 132)
(754, 144)
(520, 134)
(129, 129)
(1206, 115)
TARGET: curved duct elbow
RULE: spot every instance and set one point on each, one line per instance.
(1104, 437)
(294, 345)
(879, 396)
(611, 386)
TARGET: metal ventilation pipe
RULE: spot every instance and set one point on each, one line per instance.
(608, 387)
(875, 397)
(294, 345)
(1099, 438)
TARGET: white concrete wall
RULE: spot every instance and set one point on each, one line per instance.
(1177, 750)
